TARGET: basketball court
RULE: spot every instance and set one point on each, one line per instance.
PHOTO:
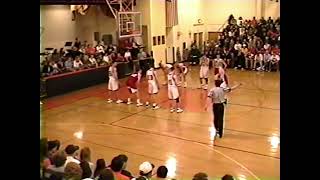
(250, 148)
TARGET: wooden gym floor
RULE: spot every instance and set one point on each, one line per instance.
(250, 148)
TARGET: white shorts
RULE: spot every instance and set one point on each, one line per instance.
(113, 84)
(132, 90)
(152, 87)
(204, 72)
(173, 92)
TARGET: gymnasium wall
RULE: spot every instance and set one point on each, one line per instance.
(59, 27)
(271, 8)
(158, 28)
(189, 13)
(218, 11)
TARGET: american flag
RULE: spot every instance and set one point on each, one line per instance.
(171, 13)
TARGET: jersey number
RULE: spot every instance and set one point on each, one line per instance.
(150, 77)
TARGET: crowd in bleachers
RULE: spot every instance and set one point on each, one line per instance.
(248, 44)
(75, 163)
(83, 55)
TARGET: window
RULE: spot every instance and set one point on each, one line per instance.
(163, 40)
(154, 40)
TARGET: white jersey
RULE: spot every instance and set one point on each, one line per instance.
(172, 79)
(204, 68)
(173, 92)
(151, 75)
(112, 73)
(113, 84)
(152, 82)
(218, 62)
(204, 61)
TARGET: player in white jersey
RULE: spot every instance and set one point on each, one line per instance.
(153, 87)
(113, 84)
(164, 68)
(183, 73)
(173, 92)
(220, 66)
(204, 71)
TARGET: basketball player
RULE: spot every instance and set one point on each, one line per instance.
(164, 68)
(184, 71)
(204, 71)
(153, 87)
(173, 92)
(113, 84)
(132, 84)
(220, 67)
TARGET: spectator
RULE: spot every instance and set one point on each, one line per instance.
(53, 147)
(72, 153)
(250, 61)
(240, 61)
(124, 159)
(68, 64)
(127, 55)
(58, 165)
(73, 52)
(86, 171)
(73, 171)
(146, 169)
(227, 177)
(237, 46)
(77, 43)
(100, 165)
(77, 63)
(266, 46)
(142, 54)
(90, 50)
(162, 172)
(47, 69)
(106, 59)
(117, 166)
(85, 155)
(275, 60)
(82, 49)
(120, 58)
(106, 174)
(93, 61)
(44, 159)
(54, 65)
(100, 49)
(55, 55)
(99, 59)
(258, 59)
(110, 49)
(200, 176)
(267, 61)
(60, 64)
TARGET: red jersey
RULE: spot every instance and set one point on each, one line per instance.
(132, 81)
(275, 50)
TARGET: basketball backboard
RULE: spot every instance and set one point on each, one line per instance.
(129, 24)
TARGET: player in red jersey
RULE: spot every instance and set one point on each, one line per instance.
(132, 85)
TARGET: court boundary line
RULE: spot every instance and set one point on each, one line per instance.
(190, 140)
(200, 125)
(233, 160)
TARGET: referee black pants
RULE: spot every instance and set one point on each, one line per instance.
(218, 112)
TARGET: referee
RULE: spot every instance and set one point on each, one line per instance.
(217, 97)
